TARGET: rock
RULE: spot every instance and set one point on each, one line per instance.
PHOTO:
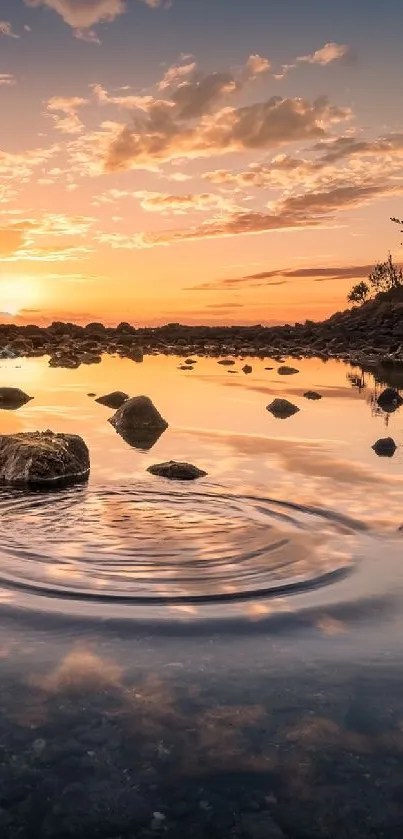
(287, 371)
(389, 400)
(282, 408)
(385, 447)
(43, 458)
(269, 368)
(68, 361)
(311, 394)
(91, 394)
(190, 361)
(226, 362)
(247, 368)
(135, 353)
(139, 422)
(89, 358)
(185, 367)
(12, 398)
(114, 399)
(176, 471)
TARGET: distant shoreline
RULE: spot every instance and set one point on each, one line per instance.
(369, 334)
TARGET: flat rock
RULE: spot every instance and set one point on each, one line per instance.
(282, 408)
(43, 458)
(13, 397)
(287, 371)
(226, 362)
(114, 399)
(311, 394)
(385, 447)
(176, 471)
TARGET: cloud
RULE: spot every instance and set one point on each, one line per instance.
(6, 79)
(20, 167)
(22, 240)
(176, 74)
(339, 162)
(82, 15)
(10, 240)
(7, 30)
(298, 212)
(256, 65)
(326, 55)
(69, 123)
(184, 127)
(161, 202)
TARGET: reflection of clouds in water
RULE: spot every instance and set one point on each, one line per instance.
(303, 457)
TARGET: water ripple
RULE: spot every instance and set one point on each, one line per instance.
(142, 545)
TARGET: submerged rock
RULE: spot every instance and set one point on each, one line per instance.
(287, 371)
(12, 398)
(138, 422)
(43, 458)
(282, 408)
(114, 399)
(177, 471)
(311, 394)
(247, 368)
(390, 399)
(385, 447)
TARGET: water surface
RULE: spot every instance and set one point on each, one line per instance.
(226, 653)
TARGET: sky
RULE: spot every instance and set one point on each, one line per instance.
(196, 161)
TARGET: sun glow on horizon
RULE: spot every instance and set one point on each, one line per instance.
(16, 294)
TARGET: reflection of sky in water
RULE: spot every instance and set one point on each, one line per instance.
(219, 422)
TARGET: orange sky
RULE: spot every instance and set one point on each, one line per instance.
(153, 169)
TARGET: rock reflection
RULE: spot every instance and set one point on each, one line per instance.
(141, 438)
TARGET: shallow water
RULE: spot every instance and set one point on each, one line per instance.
(227, 652)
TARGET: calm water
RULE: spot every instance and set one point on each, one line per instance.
(225, 654)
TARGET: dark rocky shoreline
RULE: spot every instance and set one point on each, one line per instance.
(367, 335)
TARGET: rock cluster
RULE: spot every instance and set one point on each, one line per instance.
(370, 334)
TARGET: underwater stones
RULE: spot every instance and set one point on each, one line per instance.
(43, 458)
(176, 471)
(12, 398)
(385, 447)
(282, 408)
(114, 399)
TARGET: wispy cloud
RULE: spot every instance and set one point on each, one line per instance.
(7, 29)
(6, 79)
(67, 107)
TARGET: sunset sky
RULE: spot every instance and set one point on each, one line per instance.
(201, 161)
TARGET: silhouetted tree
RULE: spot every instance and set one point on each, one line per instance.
(359, 293)
(384, 277)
